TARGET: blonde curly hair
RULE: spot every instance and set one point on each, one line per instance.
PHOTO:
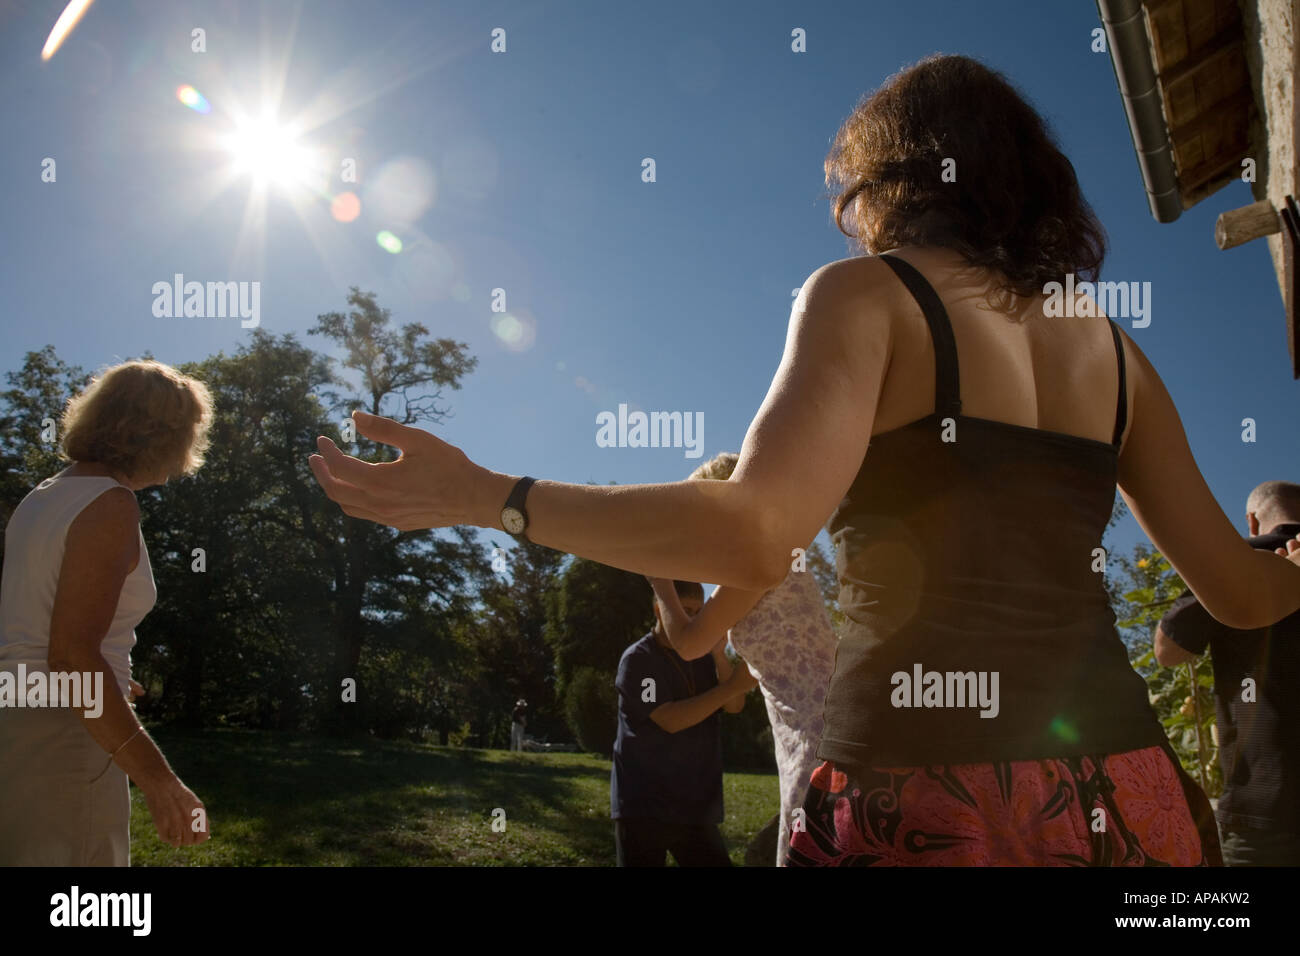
(718, 468)
(139, 418)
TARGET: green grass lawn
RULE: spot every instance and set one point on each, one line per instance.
(295, 800)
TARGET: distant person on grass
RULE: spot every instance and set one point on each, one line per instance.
(1256, 678)
(77, 582)
(787, 641)
(518, 721)
(665, 790)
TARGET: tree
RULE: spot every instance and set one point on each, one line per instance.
(1182, 696)
(30, 410)
(591, 709)
(398, 373)
(595, 612)
(509, 641)
(243, 599)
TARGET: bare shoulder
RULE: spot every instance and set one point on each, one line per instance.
(114, 515)
(844, 282)
(848, 307)
(1146, 389)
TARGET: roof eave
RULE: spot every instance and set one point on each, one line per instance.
(1130, 54)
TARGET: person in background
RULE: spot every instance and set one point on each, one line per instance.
(1256, 678)
(76, 583)
(786, 639)
(518, 721)
(665, 789)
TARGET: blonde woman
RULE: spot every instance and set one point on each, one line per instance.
(786, 638)
(76, 583)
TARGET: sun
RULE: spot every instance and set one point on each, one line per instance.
(269, 153)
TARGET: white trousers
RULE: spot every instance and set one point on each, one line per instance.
(63, 802)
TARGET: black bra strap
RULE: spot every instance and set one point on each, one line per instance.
(947, 381)
(1121, 405)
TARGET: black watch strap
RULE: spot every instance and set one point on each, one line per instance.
(518, 494)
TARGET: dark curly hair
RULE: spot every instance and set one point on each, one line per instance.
(1014, 206)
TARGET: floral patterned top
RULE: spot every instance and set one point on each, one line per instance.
(789, 644)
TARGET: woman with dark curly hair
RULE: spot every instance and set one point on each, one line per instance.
(77, 582)
(963, 448)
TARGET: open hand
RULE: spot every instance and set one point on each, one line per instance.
(432, 485)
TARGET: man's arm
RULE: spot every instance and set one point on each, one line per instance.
(1185, 631)
(1169, 654)
(680, 714)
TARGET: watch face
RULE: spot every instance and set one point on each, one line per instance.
(512, 520)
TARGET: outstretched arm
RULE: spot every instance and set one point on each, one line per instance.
(819, 409)
(1158, 477)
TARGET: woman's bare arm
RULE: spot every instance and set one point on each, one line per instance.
(1158, 477)
(800, 455)
(101, 548)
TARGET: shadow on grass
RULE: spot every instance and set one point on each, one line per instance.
(297, 800)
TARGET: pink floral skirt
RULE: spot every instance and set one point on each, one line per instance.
(1130, 809)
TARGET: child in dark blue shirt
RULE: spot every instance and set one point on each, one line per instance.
(666, 783)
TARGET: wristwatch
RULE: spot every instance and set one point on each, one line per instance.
(513, 516)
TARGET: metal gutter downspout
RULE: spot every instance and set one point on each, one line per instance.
(1130, 53)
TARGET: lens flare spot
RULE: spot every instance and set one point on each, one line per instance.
(389, 242)
(345, 207)
(193, 99)
(66, 23)
(402, 190)
(515, 332)
(1062, 729)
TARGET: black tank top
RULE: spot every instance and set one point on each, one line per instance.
(968, 548)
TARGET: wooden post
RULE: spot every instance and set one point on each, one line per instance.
(1290, 217)
(1249, 222)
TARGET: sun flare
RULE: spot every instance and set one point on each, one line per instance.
(270, 153)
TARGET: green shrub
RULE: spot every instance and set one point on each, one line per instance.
(591, 708)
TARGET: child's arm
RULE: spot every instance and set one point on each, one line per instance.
(692, 638)
(680, 714)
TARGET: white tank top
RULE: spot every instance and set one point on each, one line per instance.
(34, 540)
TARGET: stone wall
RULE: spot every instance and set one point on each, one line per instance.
(1269, 27)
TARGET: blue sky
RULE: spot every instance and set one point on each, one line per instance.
(522, 171)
